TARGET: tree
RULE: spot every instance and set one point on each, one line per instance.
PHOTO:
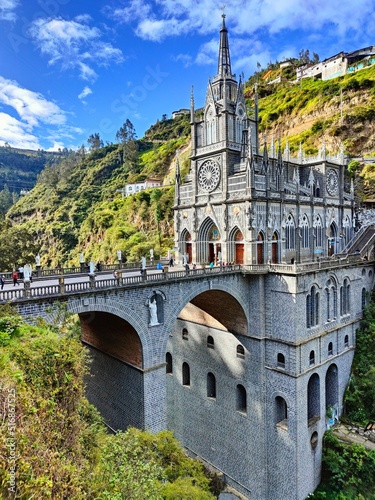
(6, 200)
(95, 142)
(127, 137)
(17, 246)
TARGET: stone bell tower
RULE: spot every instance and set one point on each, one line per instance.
(221, 132)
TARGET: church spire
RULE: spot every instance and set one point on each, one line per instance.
(224, 68)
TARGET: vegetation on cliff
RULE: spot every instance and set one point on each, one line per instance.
(53, 443)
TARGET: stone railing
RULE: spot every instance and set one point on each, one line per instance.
(94, 282)
(64, 287)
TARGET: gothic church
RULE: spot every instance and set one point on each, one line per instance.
(254, 401)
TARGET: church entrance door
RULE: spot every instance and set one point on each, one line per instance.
(260, 248)
(189, 252)
(240, 253)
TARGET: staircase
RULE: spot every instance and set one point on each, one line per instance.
(362, 243)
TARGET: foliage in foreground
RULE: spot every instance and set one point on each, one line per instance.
(60, 447)
(349, 471)
(360, 393)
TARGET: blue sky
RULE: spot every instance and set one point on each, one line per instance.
(70, 68)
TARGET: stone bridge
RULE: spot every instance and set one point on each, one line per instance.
(127, 346)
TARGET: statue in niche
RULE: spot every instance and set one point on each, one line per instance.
(153, 308)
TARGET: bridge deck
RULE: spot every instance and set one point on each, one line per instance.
(62, 284)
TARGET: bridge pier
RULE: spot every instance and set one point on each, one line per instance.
(155, 399)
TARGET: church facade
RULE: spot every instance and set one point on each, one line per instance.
(255, 403)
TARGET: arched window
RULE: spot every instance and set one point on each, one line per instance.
(345, 298)
(312, 358)
(240, 351)
(185, 374)
(210, 342)
(331, 300)
(281, 410)
(332, 387)
(241, 403)
(290, 233)
(313, 398)
(312, 308)
(185, 334)
(347, 229)
(346, 341)
(318, 228)
(305, 237)
(280, 360)
(330, 349)
(169, 362)
(363, 298)
(211, 385)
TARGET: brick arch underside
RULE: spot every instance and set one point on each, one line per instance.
(224, 308)
(112, 335)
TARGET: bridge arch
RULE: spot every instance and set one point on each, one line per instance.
(210, 297)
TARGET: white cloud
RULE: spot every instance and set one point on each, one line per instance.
(85, 92)
(163, 18)
(16, 133)
(7, 9)
(33, 110)
(329, 24)
(74, 44)
(31, 106)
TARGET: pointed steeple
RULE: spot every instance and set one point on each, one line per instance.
(192, 105)
(224, 68)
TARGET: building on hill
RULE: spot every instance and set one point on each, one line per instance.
(180, 112)
(134, 187)
(252, 401)
(338, 65)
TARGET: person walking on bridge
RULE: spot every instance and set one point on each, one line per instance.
(15, 278)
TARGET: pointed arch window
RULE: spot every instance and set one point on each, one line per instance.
(312, 308)
(331, 300)
(290, 233)
(318, 227)
(210, 126)
(345, 298)
(305, 237)
(210, 342)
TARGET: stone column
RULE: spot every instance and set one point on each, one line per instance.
(61, 284)
(26, 284)
(155, 399)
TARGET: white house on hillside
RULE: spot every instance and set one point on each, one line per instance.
(135, 187)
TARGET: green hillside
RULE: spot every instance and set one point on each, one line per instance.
(340, 111)
(77, 205)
